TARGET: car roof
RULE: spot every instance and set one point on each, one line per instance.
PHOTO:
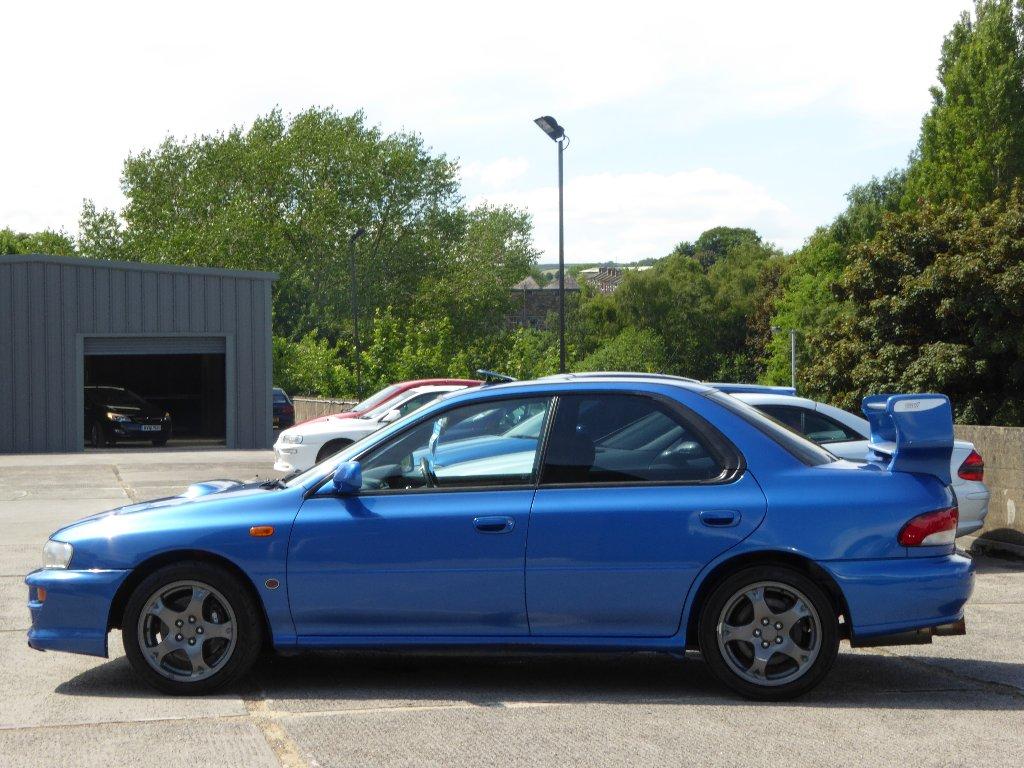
(434, 382)
(773, 398)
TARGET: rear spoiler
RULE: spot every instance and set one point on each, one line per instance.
(911, 433)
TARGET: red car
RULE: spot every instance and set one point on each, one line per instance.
(390, 393)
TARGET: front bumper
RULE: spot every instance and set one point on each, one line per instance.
(886, 597)
(132, 431)
(73, 617)
(290, 457)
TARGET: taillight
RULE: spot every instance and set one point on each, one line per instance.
(973, 468)
(931, 529)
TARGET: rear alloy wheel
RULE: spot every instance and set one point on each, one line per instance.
(191, 628)
(769, 633)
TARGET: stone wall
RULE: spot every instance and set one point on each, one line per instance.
(307, 408)
(1002, 448)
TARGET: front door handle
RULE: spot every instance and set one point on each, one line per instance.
(494, 524)
(719, 518)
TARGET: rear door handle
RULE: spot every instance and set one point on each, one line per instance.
(719, 518)
(494, 524)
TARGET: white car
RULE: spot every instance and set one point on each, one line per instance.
(306, 445)
(846, 435)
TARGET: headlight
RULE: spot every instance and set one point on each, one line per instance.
(292, 438)
(118, 416)
(57, 554)
(167, 415)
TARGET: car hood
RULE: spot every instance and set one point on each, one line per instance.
(328, 419)
(192, 496)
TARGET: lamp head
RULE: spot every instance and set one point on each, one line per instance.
(550, 126)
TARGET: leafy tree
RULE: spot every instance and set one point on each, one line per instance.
(99, 234)
(937, 303)
(46, 242)
(972, 140)
(310, 366)
(284, 196)
(717, 242)
(632, 350)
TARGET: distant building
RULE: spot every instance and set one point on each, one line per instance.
(533, 304)
(608, 279)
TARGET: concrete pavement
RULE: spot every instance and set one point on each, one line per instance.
(959, 701)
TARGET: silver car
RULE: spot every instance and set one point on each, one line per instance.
(846, 435)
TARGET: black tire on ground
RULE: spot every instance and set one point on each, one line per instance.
(330, 448)
(96, 437)
(716, 603)
(248, 626)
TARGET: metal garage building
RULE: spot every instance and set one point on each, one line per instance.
(196, 341)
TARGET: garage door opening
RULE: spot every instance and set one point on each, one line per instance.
(148, 378)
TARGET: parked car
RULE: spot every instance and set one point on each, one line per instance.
(284, 409)
(616, 514)
(846, 435)
(299, 448)
(116, 414)
(389, 393)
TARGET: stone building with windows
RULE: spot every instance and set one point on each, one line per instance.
(533, 304)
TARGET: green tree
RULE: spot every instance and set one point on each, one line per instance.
(972, 140)
(631, 350)
(937, 303)
(46, 242)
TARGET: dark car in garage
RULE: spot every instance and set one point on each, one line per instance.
(115, 414)
(284, 409)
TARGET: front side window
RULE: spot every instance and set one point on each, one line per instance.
(478, 445)
(609, 438)
(811, 424)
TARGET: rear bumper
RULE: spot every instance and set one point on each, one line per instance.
(888, 597)
(73, 617)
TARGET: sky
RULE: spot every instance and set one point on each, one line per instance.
(681, 115)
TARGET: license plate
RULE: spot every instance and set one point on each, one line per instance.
(150, 427)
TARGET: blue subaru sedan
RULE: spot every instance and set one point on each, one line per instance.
(582, 514)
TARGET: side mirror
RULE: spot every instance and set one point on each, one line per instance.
(393, 415)
(348, 477)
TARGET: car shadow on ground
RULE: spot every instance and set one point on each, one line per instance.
(371, 680)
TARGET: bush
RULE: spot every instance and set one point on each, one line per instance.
(634, 349)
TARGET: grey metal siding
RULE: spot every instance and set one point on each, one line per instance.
(52, 309)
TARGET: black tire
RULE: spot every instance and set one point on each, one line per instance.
(160, 443)
(330, 448)
(96, 437)
(827, 643)
(248, 628)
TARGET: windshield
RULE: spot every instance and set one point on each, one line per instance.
(115, 397)
(376, 399)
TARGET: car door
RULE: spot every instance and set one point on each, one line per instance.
(434, 542)
(636, 497)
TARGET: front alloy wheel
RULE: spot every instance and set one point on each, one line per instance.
(191, 628)
(187, 631)
(769, 633)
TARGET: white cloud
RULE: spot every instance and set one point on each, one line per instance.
(630, 216)
(497, 173)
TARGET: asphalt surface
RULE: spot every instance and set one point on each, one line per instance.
(959, 701)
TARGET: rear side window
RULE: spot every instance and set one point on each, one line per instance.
(803, 449)
(609, 438)
(813, 425)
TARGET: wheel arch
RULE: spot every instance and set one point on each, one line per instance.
(149, 566)
(338, 444)
(726, 568)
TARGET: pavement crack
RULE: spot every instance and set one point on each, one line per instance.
(128, 490)
(281, 744)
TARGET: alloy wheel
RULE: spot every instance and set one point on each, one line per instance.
(769, 633)
(186, 631)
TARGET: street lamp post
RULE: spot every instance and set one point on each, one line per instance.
(556, 133)
(359, 232)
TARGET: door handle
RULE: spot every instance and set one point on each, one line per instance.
(719, 518)
(494, 524)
